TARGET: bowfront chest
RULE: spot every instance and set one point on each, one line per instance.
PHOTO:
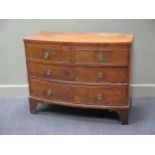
(85, 70)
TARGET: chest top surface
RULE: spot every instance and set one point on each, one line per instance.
(69, 37)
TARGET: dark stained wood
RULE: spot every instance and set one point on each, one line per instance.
(58, 91)
(88, 70)
(78, 74)
(123, 114)
(50, 71)
(89, 106)
(114, 56)
(108, 57)
(129, 74)
(55, 55)
(110, 95)
(77, 46)
(33, 105)
(122, 111)
(101, 74)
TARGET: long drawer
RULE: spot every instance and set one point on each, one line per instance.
(78, 74)
(80, 94)
(99, 57)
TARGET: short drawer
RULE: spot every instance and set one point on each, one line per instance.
(48, 54)
(101, 95)
(80, 94)
(101, 57)
(51, 90)
(101, 74)
(56, 72)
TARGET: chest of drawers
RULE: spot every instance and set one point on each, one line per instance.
(85, 70)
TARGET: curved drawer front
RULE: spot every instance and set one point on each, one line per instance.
(50, 71)
(101, 74)
(98, 57)
(52, 91)
(101, 57)
(48, 54)
(78, 74)
(101, 95)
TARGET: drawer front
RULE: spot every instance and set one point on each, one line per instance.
(50, 71)
(47, 54)
(101, 57)
(101, 74)
(98, 95)
(103, 95)
(51, 91)
(78, 74)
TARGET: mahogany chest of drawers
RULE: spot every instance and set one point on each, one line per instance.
(85, 70)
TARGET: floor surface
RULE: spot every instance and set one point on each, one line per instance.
(15, 119)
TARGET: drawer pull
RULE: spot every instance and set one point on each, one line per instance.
(46, 55)
(48, 72)
(99, 97)
(100, 75)
(100, 57)
(49, 92)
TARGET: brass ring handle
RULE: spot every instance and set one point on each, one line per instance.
(46, 55)
(49, 92)
(49, 72)
(100, 75)
(99, 97)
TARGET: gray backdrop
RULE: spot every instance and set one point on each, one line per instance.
(12, 32)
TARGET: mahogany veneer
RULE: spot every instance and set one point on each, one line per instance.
(86, 70)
